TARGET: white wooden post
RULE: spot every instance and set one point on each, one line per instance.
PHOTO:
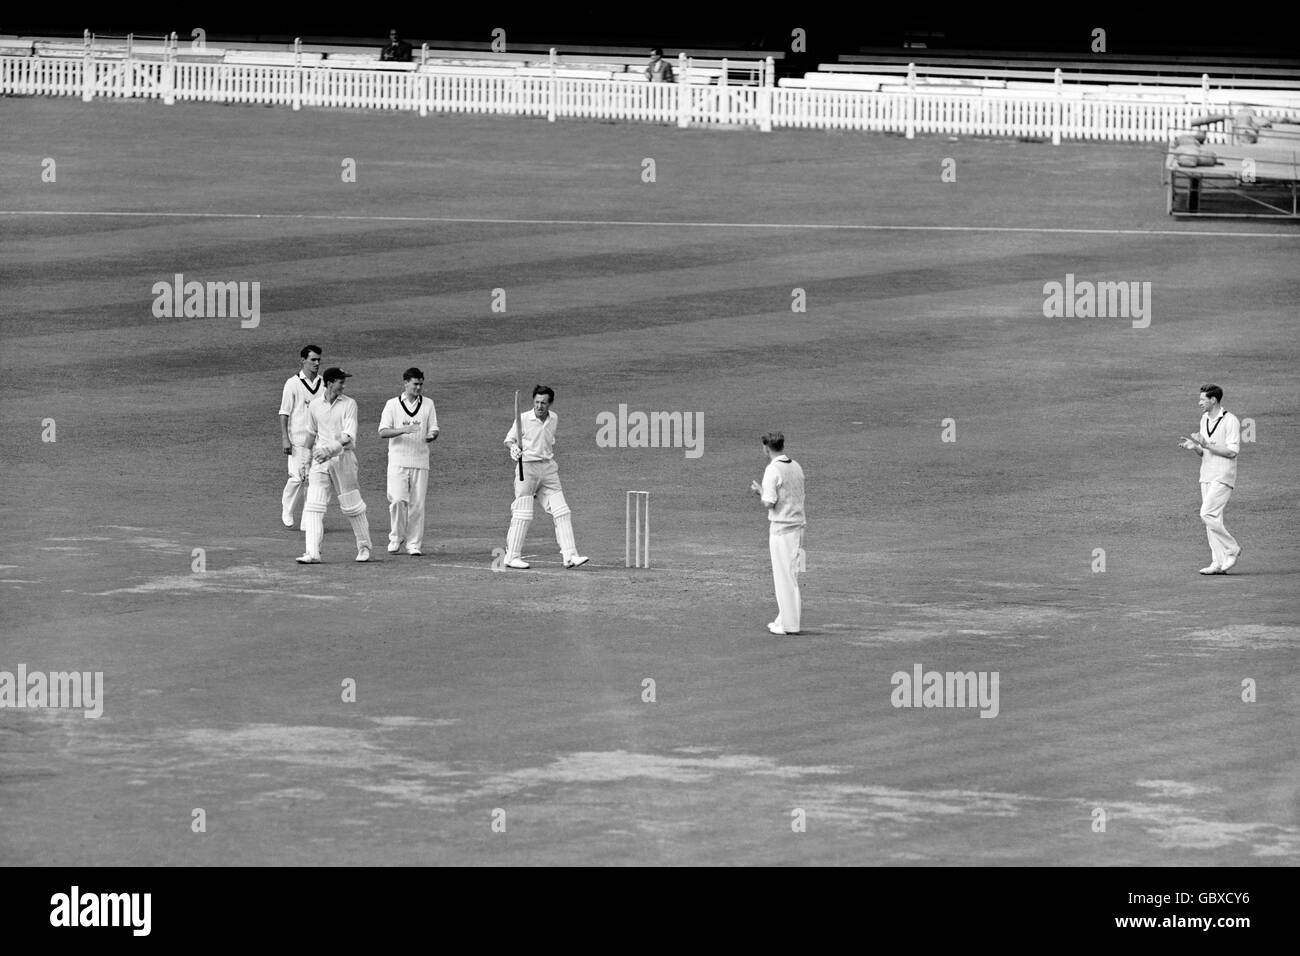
(128, 71)
(88, 70)
(552, 89)
(763, 95)
(722, 99)
(683, 90)
(422, 81)
(1056, 110)
(169, 72)
(297, 73)
(766, 93)
(911, 100)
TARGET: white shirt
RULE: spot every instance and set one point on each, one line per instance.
(336, 422)
(539, 436)
(1226, 437)
(297, 395)
(409, 451)
(783, 492)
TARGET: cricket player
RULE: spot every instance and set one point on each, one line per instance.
(1218, 443)
(299, 391)
(332, 437)
(541, 481)
(782, 494)
(410, 423)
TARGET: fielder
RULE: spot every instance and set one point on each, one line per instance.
(541, 480)
(1218, 442)
(299, 391)
(332, 436)
(410, 423)
(782, 494)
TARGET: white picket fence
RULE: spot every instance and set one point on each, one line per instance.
(1056, 113)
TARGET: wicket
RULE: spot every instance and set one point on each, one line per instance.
(632, 528)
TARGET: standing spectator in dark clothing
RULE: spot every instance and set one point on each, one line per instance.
(398, 50)
(658, 70)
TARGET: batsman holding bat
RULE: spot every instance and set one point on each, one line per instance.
(331, 439)
(531, 440)
(519, 430)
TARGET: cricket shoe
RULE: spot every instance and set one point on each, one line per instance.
(415, 552)
(519, 564)
(576, 561)
(308, 559)
(363, 553)
(1212, 569)
(1230, 561)
(286, 520)
(776, 628)
(394, 548)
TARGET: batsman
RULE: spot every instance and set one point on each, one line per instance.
(332, 438)
(531, 441)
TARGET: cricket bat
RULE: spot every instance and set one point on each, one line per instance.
(519, 436)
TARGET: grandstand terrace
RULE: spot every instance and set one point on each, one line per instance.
(912, 90)
(965, 95)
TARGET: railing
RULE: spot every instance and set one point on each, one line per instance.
(1228, 72)
(1052, 114)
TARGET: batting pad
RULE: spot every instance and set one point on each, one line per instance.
(516, 535)
(318, 496)
(556, 505)
(522, 509)
(313, 523)
(351, 504)
(360, 527)
(564, 535)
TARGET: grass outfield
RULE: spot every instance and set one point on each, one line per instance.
(522, 692)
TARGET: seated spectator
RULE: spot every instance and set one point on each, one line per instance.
(658, 70)
(398, 50)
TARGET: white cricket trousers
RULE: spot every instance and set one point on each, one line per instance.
(337, 476)
(1214, 498)
(541, 481)
(786, 545)
(407, 488)
(296, 486)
